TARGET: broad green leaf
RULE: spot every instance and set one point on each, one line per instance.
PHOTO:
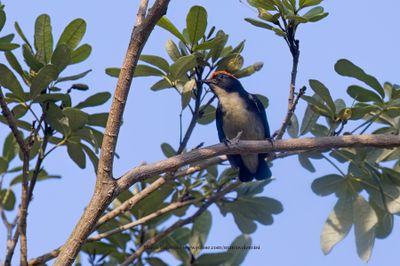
(217, 50)
(79, 87)
(172, 50)
(306, 162)
(7, 39)
(187, 92)
(390, 192)
(266, 15)
(54, 97)
(263, 99)
(55, 118)
(309, 120)
(73, 33)
(76, 118)
(363, 95)
(259, 24)
(113, 71)
(43, 175)
(99, 119)
(196, 23)
(9, 81)
(3, 165)
(74, 77)
(384, 226)
(250, 70)
(3, 18)
(30, 59)
(183, 65)
(168, 150)
(8, 46)
(157, 61)
(322, 92)
(250, 189)
(318, 17)
(315, 14)
(153, 261)
(10, 148)
(167, 25)
(13, 61)
(145, 71)
(61, 57)
(306, 3)
(209, 44)
(293, 128)
(238, 255)
(328, 184)
(7, 199)
(199, 234)
(212, 259)
(268, 5)
(318, 107)
(365, 221)
(207, 115)
(46, 75)
(75, 152)
(231, 63)
(346, 68)
(81, 53)
(19, 110)
(92, 156)
(94, 100)
(43, 38)
(338, 224)
(160, 85)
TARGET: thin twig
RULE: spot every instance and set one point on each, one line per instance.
(152, 241)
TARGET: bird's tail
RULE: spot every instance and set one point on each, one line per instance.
(263, 171)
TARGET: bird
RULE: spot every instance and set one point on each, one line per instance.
(240, 115)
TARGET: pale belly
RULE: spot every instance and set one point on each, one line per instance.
(238, 119)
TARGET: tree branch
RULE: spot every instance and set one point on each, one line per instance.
(105, 185)
(152, 241)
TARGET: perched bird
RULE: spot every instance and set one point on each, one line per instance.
(242, 114)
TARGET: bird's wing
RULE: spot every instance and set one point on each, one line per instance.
(219, 122)
(259, 107)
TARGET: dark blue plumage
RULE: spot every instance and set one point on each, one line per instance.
(240, 111)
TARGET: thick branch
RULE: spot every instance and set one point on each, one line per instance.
(105, 185)
(264, 146)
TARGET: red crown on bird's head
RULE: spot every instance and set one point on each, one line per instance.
(222, 72)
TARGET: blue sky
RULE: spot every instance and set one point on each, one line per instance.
(359, 30)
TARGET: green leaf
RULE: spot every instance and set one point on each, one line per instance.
(155, 262)
(73, 77)
(172, 50)
(328, 184)
(13, 61)
(43, 38)
(207, 115)
(385, 221)
(306, 162)
(30, 59)
(309, 119)
(212, 259)
(323, 92)
(76, 118)
(263, 99)
(268, 5)
(167, 25)
(250, 189)
(43, 175)
(209, 44)
(61, 57)
(168, 150)
(43, 79)
(365, 221)
(73, 33)
(293, 128)
(363, 95)
(113, 71)
(231, 63)
(8, 46)
(187, 92)
(19, 110)
(183, 65)
(306, 3)
(92, 156)
(157, 61)
(10, 148)
(145, 71)
(259, 24)
(9, 81)
(238, 255)
(94, 100)
(75, 152)
(250, 70)
(196, 23)
(3, 165)
(200, 230)
(7, 199)
(3, 18)
(160, 85)
(346, 68)
(318, 107)
(54, 97)
(81, 53)
(21, 34)
(99, 119)
(315, 14)
(338, 224)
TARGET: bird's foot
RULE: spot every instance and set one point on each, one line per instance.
(233, 141)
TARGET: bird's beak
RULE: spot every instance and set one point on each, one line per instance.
(208, 81)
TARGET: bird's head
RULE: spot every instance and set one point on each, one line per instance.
(222, 82)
